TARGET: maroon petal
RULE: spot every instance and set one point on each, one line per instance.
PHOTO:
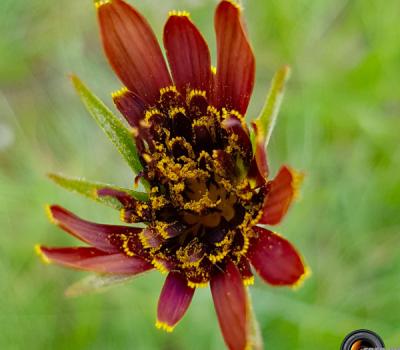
(260, 157)
(235, 63)
(275, 259)
(130, 105)
(92, 259)
(188, 54)
(174, 300)
(282, 192)
(97, 235)
(230, 303)
(134, 210)
(132, 50)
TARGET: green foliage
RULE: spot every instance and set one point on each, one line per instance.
(110, 124)
(89, 189)
(267, 118)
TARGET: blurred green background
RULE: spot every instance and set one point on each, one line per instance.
(339, 123)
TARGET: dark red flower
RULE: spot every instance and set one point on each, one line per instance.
(208, 189)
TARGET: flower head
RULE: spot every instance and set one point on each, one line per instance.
(208, 186)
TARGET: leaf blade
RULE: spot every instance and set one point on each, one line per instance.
(267, 119)
(89, 189)
(113, 127)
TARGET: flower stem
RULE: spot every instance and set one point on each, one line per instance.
(255, 337)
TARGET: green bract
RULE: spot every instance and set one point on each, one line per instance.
(89, 189)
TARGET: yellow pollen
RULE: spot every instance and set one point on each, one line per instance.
(40, 253)
(248, 281)
(197, 285)
(125, 245)
(158, 202)
(99, 3)
(307, 273)
(226, 241)
(219, 257)
(195, 92)
(212, 110)
(164, 326)
(174, 111)
(236, 4)
(159, 266)
(144, 241)
(119, 93)
(203, 121)
(149, 113)
(161, 229)
(146, 157)
(203, 203)
(178, 13)
(140, 208)
(167, 89)
(122, 215)
(213, 70)
(49, 214)
(226, 113)
(245, 245)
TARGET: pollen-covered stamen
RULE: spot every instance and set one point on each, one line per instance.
(197, 104)
(239, 138)
(139, 212)
(240, 244)
(199, 276)
(130, 244)
(156, 120)
(180, 123)
(169, 98)
(245, 271)
(150, 238)
(224, 164)
(179, 148)
(222, 248)
(204, 134)
(191, 254)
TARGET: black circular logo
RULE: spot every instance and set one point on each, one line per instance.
(362, 339)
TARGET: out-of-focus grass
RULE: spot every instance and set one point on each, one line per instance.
(339, 123)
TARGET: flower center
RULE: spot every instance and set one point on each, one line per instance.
(196, 160)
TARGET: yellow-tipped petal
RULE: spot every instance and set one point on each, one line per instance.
(307, 273)
(160, 266)
(164, 326)
(119, 93)
(178, 13)
(49, 214)
(197, 285)
(43, 257)
(99, 3)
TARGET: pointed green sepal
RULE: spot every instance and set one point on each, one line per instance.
(96, 284)
(89, 190)
(113, 127)
(267, 118)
